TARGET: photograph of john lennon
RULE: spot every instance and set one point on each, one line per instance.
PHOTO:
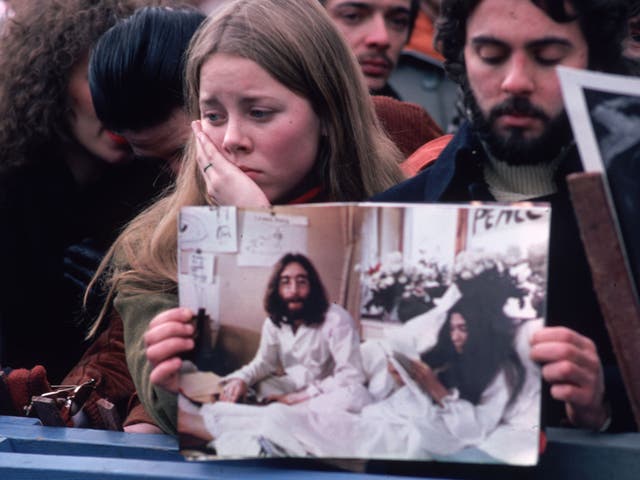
(302, 366)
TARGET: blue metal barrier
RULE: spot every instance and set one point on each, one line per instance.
(29, 450)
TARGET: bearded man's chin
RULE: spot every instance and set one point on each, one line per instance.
(513, 148)
(295, 313)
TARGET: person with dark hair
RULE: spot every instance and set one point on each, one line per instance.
(66, 186)
(308, 360)
(136, 76)
(473, 345)
(471, 377)
(376, 31)
(307, 346)
(278, 306)
(517, 145)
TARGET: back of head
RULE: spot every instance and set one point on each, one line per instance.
(297, 44)
(602, 22)
(40, 46)
(136, 67)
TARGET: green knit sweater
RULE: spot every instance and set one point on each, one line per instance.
(136, 312)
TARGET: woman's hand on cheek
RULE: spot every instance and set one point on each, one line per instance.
(226, 183)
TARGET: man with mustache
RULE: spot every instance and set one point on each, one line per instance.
(308, 346)
(517, 145)
(376, 31)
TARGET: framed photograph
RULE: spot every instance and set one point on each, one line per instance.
(604, 111)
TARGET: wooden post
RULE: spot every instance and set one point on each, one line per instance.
(612, 280)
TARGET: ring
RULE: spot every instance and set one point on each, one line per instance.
(207, 166)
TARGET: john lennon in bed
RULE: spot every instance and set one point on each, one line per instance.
(454, 383)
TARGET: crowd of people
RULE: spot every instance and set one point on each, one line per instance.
(115, 114)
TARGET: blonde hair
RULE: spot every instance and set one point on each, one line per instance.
(297, 44)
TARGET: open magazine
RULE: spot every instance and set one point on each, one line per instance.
(381, 331)
(604, 111)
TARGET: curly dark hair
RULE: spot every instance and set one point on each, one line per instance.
(316, 305)
(603, 23)
(40, 46)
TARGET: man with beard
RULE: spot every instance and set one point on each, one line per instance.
(517, 145)
(376, 31)
(307, 347)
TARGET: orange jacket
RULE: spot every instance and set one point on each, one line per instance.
(424, 156)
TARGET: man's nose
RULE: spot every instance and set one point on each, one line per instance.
(377, 33)
(290, 289)
(518, 78)
(295, 288)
